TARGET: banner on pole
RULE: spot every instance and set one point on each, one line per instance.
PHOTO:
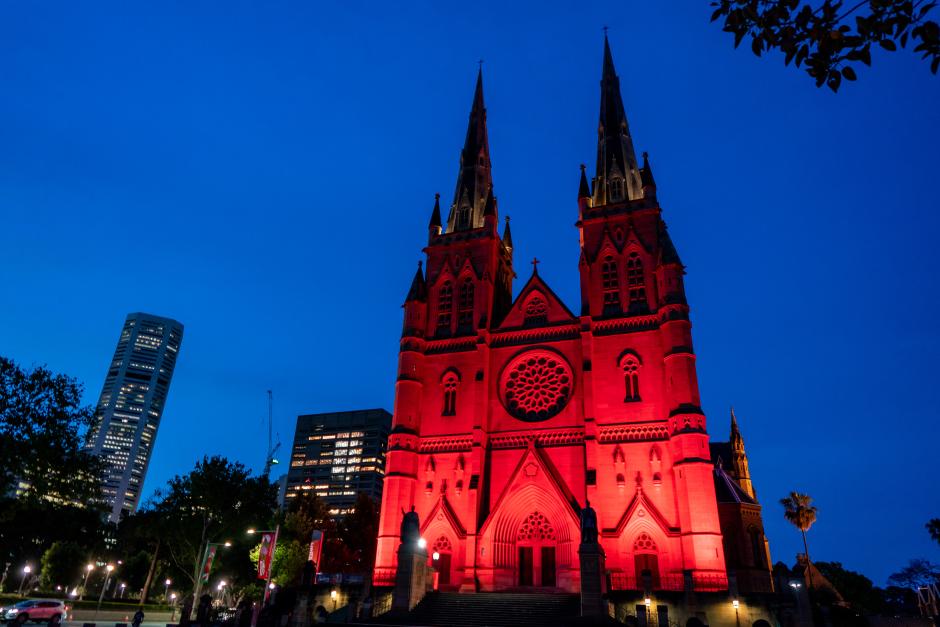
(207, 563)
(316, 548)
(265, 555)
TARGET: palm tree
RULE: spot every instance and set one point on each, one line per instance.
(800, 511)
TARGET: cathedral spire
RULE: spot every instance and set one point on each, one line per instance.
(739, 458)
(474, 179)
(419, 289)
(617, 177)
(507, 235)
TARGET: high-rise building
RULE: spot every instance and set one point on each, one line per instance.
(337, 455)
(131, 405)
(512, 414)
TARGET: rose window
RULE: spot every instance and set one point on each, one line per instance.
(536, 527)
(536, 385)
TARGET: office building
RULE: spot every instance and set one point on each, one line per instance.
(338, 455)
(131, 405)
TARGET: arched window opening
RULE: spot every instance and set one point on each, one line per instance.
(757, 546)
(631, 378)
(646, 560)
(463, 217)
(616, 189)
(449, 383)
(610, 282)
(636, 283)
(465, 304)
(445, 305)
(536, 309)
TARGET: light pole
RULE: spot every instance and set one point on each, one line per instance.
(166, 588)
(221, 588)
(109, 568)
(88, 569)
(333, 596)
(173, 602)
(26, 570)
(123, 585)
(267, 587)
(202, 566)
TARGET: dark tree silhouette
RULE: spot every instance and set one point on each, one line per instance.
(933, 528)
(828, 38)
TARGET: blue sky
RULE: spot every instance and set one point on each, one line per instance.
(264, 173)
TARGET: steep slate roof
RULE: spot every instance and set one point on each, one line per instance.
(727, 489)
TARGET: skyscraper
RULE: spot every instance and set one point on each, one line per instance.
(131, 405)
(338, 455)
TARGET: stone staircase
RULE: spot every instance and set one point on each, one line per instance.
(491, 609)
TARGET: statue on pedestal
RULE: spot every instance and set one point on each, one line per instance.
(410, 528)
(588, 524)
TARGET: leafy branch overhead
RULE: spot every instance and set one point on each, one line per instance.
(828, 39)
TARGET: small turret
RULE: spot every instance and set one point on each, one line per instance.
(434, 226)
(646, 178)
(584, 192)
(416, 305)
(489, 211)
(507, 236)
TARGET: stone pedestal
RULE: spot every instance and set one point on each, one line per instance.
(411, 577)
(593, 579)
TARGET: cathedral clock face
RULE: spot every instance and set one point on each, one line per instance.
(536, 385)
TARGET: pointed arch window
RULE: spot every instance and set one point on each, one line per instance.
(450, 382)
(463, 217)
(610, 282)
(630, 365)
(445, 305)
(616, 189)
(465, 304)
(636, 282)
(757, 545)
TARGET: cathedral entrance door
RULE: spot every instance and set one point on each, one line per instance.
(443, 569)
(526, 566)
(548, 567)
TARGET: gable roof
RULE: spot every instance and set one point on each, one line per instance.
(556, 310)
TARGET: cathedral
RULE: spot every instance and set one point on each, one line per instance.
(512, 414)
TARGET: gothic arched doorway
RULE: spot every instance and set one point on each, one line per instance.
(646, 561)
(536, 543)
(442, 550)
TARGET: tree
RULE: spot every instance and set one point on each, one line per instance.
(917, 574)
(799, 510)
(61, 565)
(41, 421)
(359, 531)
(854, 587)
(216, 502)
(830, 39)
(933, 528)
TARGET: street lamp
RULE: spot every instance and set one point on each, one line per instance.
(276, 531)
(123, 585)
(26, 570)
(202, 567)
(88, 569)
(109, 568)
(333, 595)
(166, 588)
(173, 602)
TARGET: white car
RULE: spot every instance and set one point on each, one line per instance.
(35, 611)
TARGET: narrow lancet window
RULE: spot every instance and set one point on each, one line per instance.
(636, 283)
(465, 305)
(610, 282)
(445, 305)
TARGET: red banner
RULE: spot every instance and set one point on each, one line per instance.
(316, 548)
(265, 555)
(207, 563)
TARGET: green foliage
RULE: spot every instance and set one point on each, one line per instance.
(288, 562)
(933, 528)
(854, 587)
(917, 573)
(133, 571)
(216, 502)
(799, 510)
(61, 565)
(41, 420)
(829, 39)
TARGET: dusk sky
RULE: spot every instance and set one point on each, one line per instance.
(264, 173)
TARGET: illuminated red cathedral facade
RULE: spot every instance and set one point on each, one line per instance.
(512, 413)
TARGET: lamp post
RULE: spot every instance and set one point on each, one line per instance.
(123, 585)
(109, 568)
(267, 587)
(88, 569)
(26, 570)
(333, 595)
(647, 602)
(221, 588)
(202, 565)
(166, 588)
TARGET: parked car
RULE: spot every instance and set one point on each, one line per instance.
(35, 611)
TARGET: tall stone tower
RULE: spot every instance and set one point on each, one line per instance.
(511, 413)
